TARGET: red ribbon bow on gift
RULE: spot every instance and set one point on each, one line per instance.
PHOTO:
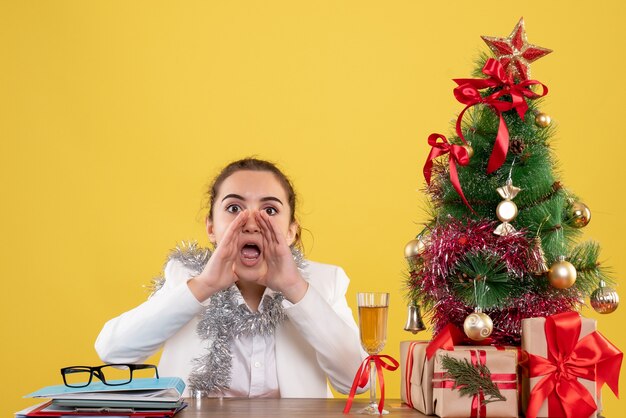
(458, 155)
(593, 357)
(468, 93)
(363, 376)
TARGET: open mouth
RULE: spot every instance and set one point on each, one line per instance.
(250, 254)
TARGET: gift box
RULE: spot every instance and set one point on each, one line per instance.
(566, 363)
(417, 372)
(534, 342)
(448, 402)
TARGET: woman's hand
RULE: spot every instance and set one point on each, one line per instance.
(282, 273)
(219, 273)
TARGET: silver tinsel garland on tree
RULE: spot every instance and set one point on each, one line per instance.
(223, 321)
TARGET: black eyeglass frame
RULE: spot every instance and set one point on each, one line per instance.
(97, 371)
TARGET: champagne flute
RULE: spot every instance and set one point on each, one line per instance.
(373, 332)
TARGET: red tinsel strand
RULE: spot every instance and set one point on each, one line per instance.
(506, 322)
(449, 242)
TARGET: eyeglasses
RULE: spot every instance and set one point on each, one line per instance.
(109, 374)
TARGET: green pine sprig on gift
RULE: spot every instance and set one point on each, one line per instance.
(470, 379)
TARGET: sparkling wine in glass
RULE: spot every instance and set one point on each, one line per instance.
(373, 331)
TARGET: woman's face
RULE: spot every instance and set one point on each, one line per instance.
(255, 191)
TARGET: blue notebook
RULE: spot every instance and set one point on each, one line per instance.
(168, 389)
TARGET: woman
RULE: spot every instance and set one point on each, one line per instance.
(252, 318)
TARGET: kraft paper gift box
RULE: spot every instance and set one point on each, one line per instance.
(534, 342)
(417, 373)
(502, 364)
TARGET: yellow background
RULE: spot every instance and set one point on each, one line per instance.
(115, 115)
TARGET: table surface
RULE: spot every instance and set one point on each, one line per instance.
(277, 408)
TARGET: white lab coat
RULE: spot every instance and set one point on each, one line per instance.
(318, 340)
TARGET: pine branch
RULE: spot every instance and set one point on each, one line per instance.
(590, 271)
(479, 63)
(488, 271)
(546, 219)
(470, 379)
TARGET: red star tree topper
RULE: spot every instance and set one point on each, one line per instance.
(515, 53)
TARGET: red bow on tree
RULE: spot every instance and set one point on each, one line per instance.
(468, 93)
(458, 155)
(592, 357)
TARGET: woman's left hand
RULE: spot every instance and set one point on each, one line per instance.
(282, 273)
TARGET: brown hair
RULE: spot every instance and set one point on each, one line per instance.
(254, 164)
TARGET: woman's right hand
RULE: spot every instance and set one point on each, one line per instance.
(219, 273)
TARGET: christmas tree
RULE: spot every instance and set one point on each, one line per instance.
(502, 243)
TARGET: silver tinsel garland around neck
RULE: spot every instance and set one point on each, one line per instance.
(223, 320)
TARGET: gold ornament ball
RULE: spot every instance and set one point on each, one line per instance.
(542, 120)
(604, 300)
(506, 211)
(470, 151)
(562, 274)
(414, 248)
(580, 214)
(478, 326)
